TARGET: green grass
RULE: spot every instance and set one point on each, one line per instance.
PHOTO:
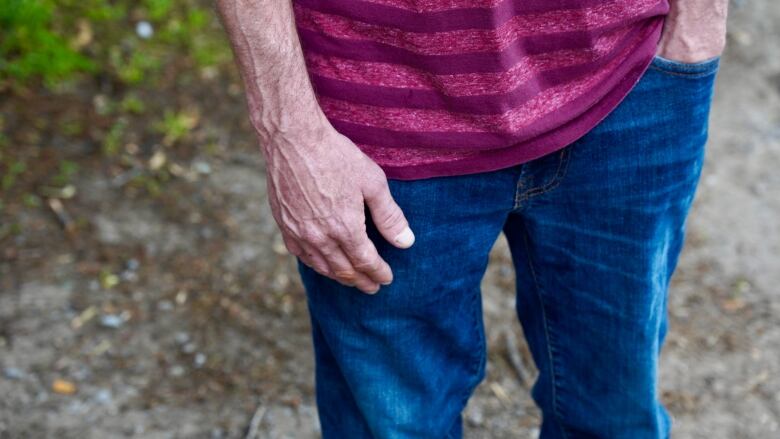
(57, 40)
(30, 47)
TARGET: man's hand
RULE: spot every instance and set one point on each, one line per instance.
(694, 31)
(319, 183)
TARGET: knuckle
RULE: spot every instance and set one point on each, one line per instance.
(352, 239)
(313, 237)
(368, 263)
(379, 173)
(361, 252)
(327, 250)
(391, 216)
(339, 232)
(346, 275)
(376, 184)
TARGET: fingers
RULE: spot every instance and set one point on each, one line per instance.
(387, 215)
(314, 259)
(345, 272)
(330, 260)
(365, 258)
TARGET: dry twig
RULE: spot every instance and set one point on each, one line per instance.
(254, 424)
(515, 358)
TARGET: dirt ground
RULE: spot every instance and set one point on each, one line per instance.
(181, 315)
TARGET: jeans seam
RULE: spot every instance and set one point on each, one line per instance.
(560, 173)
(550, 349)
(480, 363)
(481, 348)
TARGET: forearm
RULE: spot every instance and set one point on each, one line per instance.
(695, 30)
(265, 42)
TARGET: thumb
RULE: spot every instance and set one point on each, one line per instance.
(388, 216)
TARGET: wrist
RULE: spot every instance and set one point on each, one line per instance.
(685, 45)
(694, 30)
(302, 132)
(292, 126)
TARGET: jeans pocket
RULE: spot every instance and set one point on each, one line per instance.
(683, 69)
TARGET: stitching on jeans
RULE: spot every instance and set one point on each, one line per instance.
(692, 75)
(550, 349)
(518, 194)
(550, 185)
(556, 180)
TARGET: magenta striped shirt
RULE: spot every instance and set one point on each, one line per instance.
(446, 87)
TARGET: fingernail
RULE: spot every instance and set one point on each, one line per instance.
(387, 283)
(405, 239)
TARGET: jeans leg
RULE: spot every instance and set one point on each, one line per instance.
(402, 363)
(594, 257)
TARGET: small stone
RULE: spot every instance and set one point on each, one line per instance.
(742, 38)
(157, 161)
(69, 191)
(128, 276)
(189, 348)
(200, 359)
(112, 321)
(81, 373)
(132, 264)
(742, 286)
(101, 103)
(165, 305)
(13, 373)
(475, 418)
(176, 371)
(144, 29)
(201, 167)
(103, 396)
(182, 338)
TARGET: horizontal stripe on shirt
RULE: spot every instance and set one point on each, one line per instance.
(444, 19)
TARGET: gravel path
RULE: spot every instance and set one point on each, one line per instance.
(182, 317)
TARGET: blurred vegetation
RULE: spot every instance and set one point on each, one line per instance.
(117, 84)
(31, 47)
(129, 40)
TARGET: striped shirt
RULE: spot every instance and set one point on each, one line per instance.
(446, 87)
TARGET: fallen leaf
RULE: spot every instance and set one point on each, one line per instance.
(63, 387)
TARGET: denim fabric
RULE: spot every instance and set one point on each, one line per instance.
(595, 230)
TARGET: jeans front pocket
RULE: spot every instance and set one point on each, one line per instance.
(691, 70)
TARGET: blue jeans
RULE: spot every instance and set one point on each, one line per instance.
(595, 230)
